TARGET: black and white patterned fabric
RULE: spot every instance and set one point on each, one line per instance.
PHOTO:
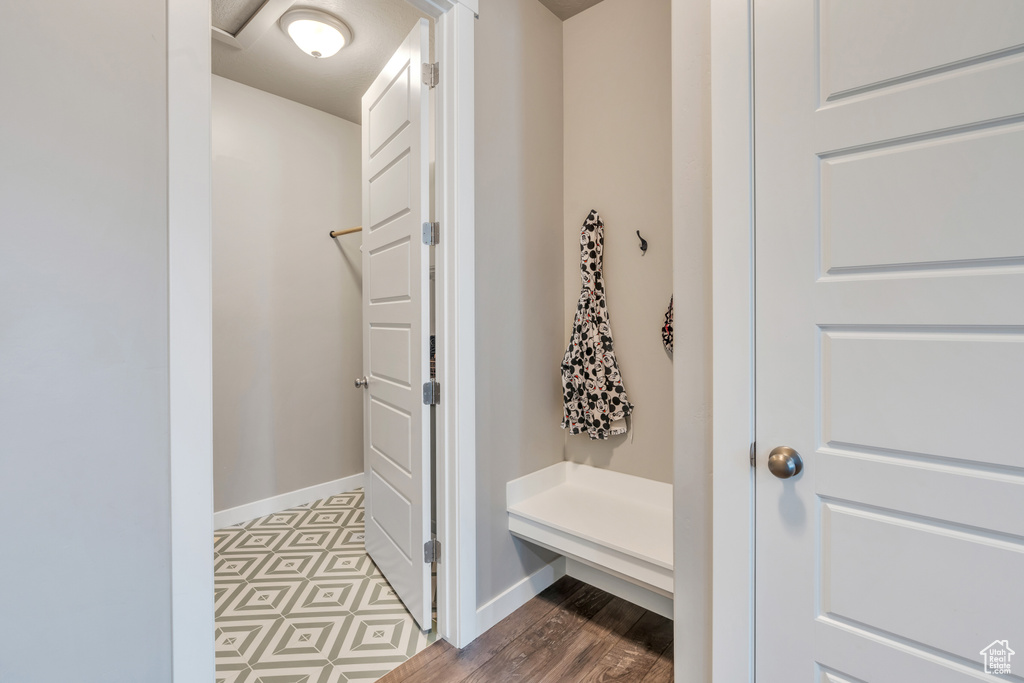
(668, 329)
(595, 401)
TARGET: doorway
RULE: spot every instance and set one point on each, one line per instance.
(191, 316)
(304, 304)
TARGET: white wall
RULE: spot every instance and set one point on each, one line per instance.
(85, 585)
(286, 297)
(519, 271)
(691, 265)
(617, 78)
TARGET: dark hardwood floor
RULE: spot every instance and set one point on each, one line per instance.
(570, 633)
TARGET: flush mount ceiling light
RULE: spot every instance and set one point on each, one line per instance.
(316, 33)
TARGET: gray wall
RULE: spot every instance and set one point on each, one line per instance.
(519, 270)
(618, 160)
(287, 305)
(85, 582)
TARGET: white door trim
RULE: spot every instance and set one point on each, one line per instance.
(191, 323)
(732, 179)
(455, 299)
(190, 337)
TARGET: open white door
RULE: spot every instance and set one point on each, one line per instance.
(396, 426)
(890, 339)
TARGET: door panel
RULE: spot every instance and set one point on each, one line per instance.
(392, 110)
(890, 390)
(390, 271)
(393, 515)
(866, 45)
(890, 322)
(391, 354)
(390, 192)
(886, 593)
(396, 306)
(882, 208)
(390, 428)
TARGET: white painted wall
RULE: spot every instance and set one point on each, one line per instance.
(519, 256)
(618, 160)
(84, 432)
(286, 297)
(691, 265)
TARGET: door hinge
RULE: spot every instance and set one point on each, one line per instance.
(431, 234)
(431, 74)
(753, 454)
(431, 393)
(432, 551)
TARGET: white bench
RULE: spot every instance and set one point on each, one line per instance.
(615, 530)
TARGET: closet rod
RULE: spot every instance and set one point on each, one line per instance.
(339, 233)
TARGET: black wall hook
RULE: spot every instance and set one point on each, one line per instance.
(643, 242)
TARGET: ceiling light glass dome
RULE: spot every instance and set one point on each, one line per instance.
(316, 33)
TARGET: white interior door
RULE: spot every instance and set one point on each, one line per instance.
(396, 427)
(890, 338)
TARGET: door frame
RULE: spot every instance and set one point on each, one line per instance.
(190, 327)
(733, 297)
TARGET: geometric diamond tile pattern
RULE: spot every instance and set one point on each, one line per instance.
(298, 600)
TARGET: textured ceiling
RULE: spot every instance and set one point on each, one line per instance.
(230, 15)
(334, 85)
(564, 9)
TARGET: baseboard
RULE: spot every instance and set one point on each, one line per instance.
(261, 508)
(518, 595)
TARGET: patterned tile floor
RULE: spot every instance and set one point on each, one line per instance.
(298, 600)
